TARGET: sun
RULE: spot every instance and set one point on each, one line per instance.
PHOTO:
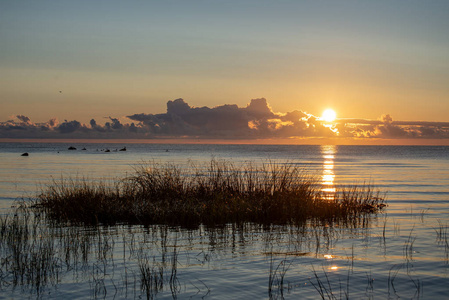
(328, 115)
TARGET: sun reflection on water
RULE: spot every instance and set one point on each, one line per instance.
(328, 153)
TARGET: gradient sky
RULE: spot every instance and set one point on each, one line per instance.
(364, 59)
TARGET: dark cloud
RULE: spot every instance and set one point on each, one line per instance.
(52, 123)
(254, 121)
(115, 125)
(68, 127)
(259, 109)
(24, 119)
(386, 127)
(386, 119)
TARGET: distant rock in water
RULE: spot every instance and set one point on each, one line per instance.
(72, 148)
(123, 149)
(24, 154)
(107, 150)
(84, 148)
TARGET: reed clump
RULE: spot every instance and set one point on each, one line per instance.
(211, 194)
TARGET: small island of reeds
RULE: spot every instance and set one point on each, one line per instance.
(215, 193)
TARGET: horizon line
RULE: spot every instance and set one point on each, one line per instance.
(297, 141)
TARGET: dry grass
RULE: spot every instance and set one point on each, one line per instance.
(216, 193)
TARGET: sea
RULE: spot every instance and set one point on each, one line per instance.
(399, 253)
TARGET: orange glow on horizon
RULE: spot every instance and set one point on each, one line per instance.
(279, 141)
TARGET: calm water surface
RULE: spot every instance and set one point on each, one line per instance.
(401, 253)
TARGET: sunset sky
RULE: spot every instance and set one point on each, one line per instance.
(374, 62)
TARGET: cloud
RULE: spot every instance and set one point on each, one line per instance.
(256, 120)
(24, 119)
(68, 127)
(115, 125)
(386, 127)
(52, 123)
